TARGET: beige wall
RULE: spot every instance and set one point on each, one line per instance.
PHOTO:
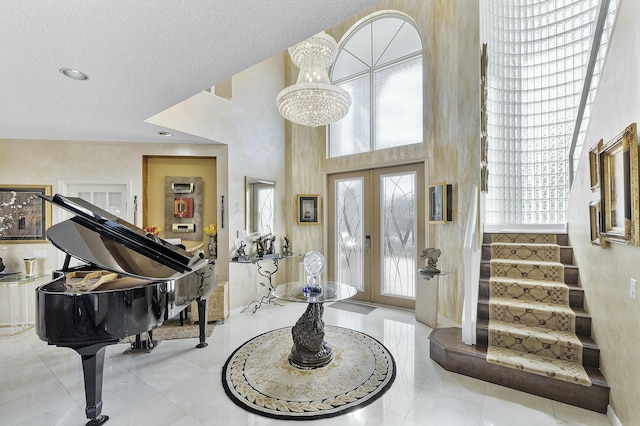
(605, 273)
(251, 134)
(58, 162)
(450, 35)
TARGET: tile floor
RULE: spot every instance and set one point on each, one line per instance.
(179, 385)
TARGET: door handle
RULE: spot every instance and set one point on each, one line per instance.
(367, 244)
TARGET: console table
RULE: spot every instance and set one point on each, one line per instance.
(267, 271)
(309, 348)
(17, 301)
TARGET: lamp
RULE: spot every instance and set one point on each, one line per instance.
(313, 101)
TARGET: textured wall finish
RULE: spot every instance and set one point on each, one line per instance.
(605, 273)
(451, 62)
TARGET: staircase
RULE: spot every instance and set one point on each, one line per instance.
(571, 348)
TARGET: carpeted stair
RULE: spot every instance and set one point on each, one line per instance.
(531, 325)
(533, 333)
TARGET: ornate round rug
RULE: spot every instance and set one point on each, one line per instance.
(258, 376)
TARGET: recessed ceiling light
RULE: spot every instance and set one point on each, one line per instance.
(165, 134)
(74, 74)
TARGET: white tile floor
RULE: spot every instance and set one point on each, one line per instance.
(177, 384)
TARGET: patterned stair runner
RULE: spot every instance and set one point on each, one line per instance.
(531, 326)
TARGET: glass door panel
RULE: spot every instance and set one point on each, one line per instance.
(398, 232)
(349, 235)
(374, 214)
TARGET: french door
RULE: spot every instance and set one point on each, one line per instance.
(376, 228)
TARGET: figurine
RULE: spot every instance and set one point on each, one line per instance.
(431, 255)
(240, 254)
(271, 244)
(286, 246)
(260, 247)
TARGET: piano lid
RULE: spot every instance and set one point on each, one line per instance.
(100, 238)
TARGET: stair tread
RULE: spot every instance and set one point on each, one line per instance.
(572, 286)
(532, 304)
(540, 333)
(538, 364)
(587, 341)
(580, 312)
(567, 266)
(527, 262)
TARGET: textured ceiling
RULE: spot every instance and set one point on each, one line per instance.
(141, 56)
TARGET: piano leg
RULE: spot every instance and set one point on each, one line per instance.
(202, 321)
(93, 367)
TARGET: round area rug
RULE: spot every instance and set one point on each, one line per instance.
(258, 376)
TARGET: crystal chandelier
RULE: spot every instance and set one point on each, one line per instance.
(313, 101)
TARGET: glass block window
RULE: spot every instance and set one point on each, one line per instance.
(538, 54)
(379, 62)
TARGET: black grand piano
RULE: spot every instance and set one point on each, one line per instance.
(128, 283)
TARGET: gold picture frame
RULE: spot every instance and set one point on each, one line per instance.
(440, 206)
(32, 219)
(594, 166)
(619, 189)
(308, 206)
(595, 221)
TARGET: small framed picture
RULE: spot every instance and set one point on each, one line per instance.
(440, 203)
(308, 209)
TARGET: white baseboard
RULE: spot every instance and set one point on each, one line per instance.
(615, 421)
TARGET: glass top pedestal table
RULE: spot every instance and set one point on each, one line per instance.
(309, 348)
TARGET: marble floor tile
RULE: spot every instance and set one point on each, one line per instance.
(179, 385)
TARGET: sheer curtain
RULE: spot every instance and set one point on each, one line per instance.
(538, 53)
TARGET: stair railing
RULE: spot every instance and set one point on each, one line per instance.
(472, 254)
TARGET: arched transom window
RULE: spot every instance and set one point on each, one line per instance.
(379, 62)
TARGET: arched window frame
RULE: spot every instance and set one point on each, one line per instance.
(370, 72)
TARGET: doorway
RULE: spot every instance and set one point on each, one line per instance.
(376, 227)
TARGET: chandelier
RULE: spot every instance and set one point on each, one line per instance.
(313, 101)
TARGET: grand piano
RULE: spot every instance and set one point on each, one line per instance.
(127, 283)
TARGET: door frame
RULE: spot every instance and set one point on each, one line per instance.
(371, 216)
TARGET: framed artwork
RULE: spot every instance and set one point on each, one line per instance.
(308, 209)
(594, 166)
(595, 220)
(619, 189)
(24, 217)
(440, 203)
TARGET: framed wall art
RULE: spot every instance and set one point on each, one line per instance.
(594, 166)
(24, 217)
(619, 189)
(595, 220)
(440, 203)
(308, 209)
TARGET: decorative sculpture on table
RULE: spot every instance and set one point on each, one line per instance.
(314, 265)
(240, 255)
(286, 246)
(259, 246)
(270, 243)
(309, 348)
(431, 255)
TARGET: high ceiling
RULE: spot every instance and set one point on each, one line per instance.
(141, 57)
